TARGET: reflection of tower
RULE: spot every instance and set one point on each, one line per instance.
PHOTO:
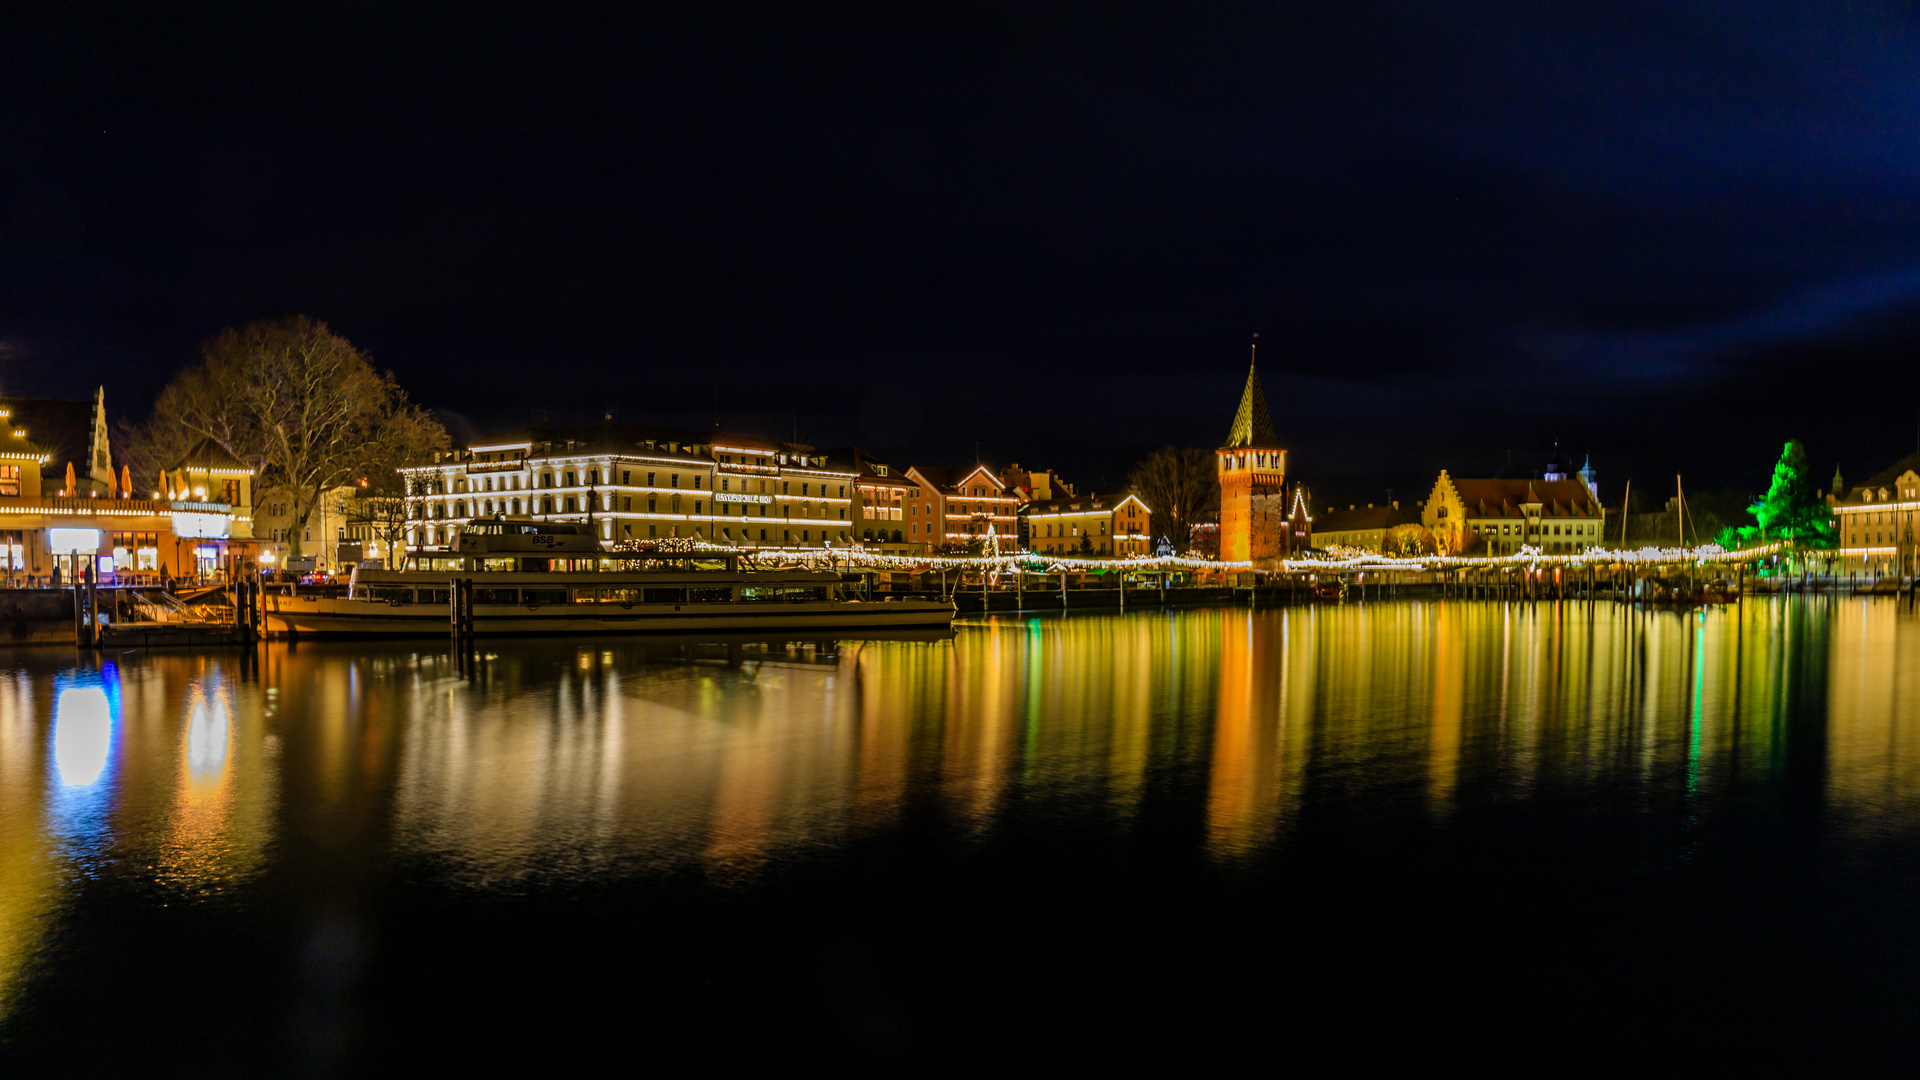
(1253, 476)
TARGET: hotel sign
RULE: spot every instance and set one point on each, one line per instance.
(740, 497)
(202, 526)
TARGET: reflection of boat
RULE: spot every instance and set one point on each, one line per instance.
(552, 578)
(1331, 588)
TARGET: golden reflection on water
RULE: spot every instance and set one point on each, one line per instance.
(563, 761)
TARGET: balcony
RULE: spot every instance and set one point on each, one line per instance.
(496, 466)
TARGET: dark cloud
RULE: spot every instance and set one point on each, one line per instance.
(1668, 234)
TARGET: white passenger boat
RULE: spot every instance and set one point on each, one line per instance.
(537, 577)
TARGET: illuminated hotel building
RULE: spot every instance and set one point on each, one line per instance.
(966, 507)
(1254, 511)
(637, 484)
(1875, 519)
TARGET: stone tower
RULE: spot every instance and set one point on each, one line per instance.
(1253, 480)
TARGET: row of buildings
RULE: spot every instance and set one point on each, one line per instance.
(1264, 515)
(66, 510)
(634, 484)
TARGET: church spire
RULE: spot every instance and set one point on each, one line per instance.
(1252, 426)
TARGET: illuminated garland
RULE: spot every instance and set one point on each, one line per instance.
(1338, 560)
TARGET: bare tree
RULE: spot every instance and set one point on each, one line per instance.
(379, 505)
(299, 404)
(1408, 541)
(1179, 485)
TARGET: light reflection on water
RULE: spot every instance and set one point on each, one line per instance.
(203, 777)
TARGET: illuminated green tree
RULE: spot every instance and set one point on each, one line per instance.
(1793, 509)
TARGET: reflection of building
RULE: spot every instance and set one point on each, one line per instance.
(637, 483)
(1253, 483)
(1875, 517)
(57, 520)
(964, 507)
(1360, 528)
(1503, 516)
(1090, 524)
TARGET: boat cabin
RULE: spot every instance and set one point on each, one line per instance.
(525, 546)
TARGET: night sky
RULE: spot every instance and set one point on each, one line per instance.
(1669, 236)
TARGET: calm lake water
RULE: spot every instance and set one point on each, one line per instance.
(1524, 836)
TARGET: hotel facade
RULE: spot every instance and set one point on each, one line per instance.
(636, 484)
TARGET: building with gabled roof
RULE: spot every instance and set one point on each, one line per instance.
(1360, 527)
(1875, 518)
(961, 506)
(68, 432)
(1106, 525)
(1501, 516)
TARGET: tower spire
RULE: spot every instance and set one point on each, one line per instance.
(1252, 425)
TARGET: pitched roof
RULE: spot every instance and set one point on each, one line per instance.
(1503, 498)
(863, 465)
(947, 480)
(1886, 477)
(1366, 518)
(208, 454)
(1082, 504)
(62, 428)
(1251, 424)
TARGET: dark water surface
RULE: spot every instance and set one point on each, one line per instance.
(1528, 837)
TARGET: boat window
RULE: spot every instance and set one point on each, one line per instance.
(489, 596)
(498, 565)
(534, 566)
(620, 596)
(436, 596)
(584, 596)
(784, 592)
(543, 596)
(711, 594)
(391, 594)
(666, 596)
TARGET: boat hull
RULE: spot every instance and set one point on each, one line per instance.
(330, 617)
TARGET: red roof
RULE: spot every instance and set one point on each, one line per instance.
(1503, 498)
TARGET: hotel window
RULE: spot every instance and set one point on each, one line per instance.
(650, 479)
(726, 484)
(785, 488)
(626, 477)
(546, 480)
(569, 479)
(675, 478)
(547, 502)
(696, 481)
(9, 479)
(593, 476)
